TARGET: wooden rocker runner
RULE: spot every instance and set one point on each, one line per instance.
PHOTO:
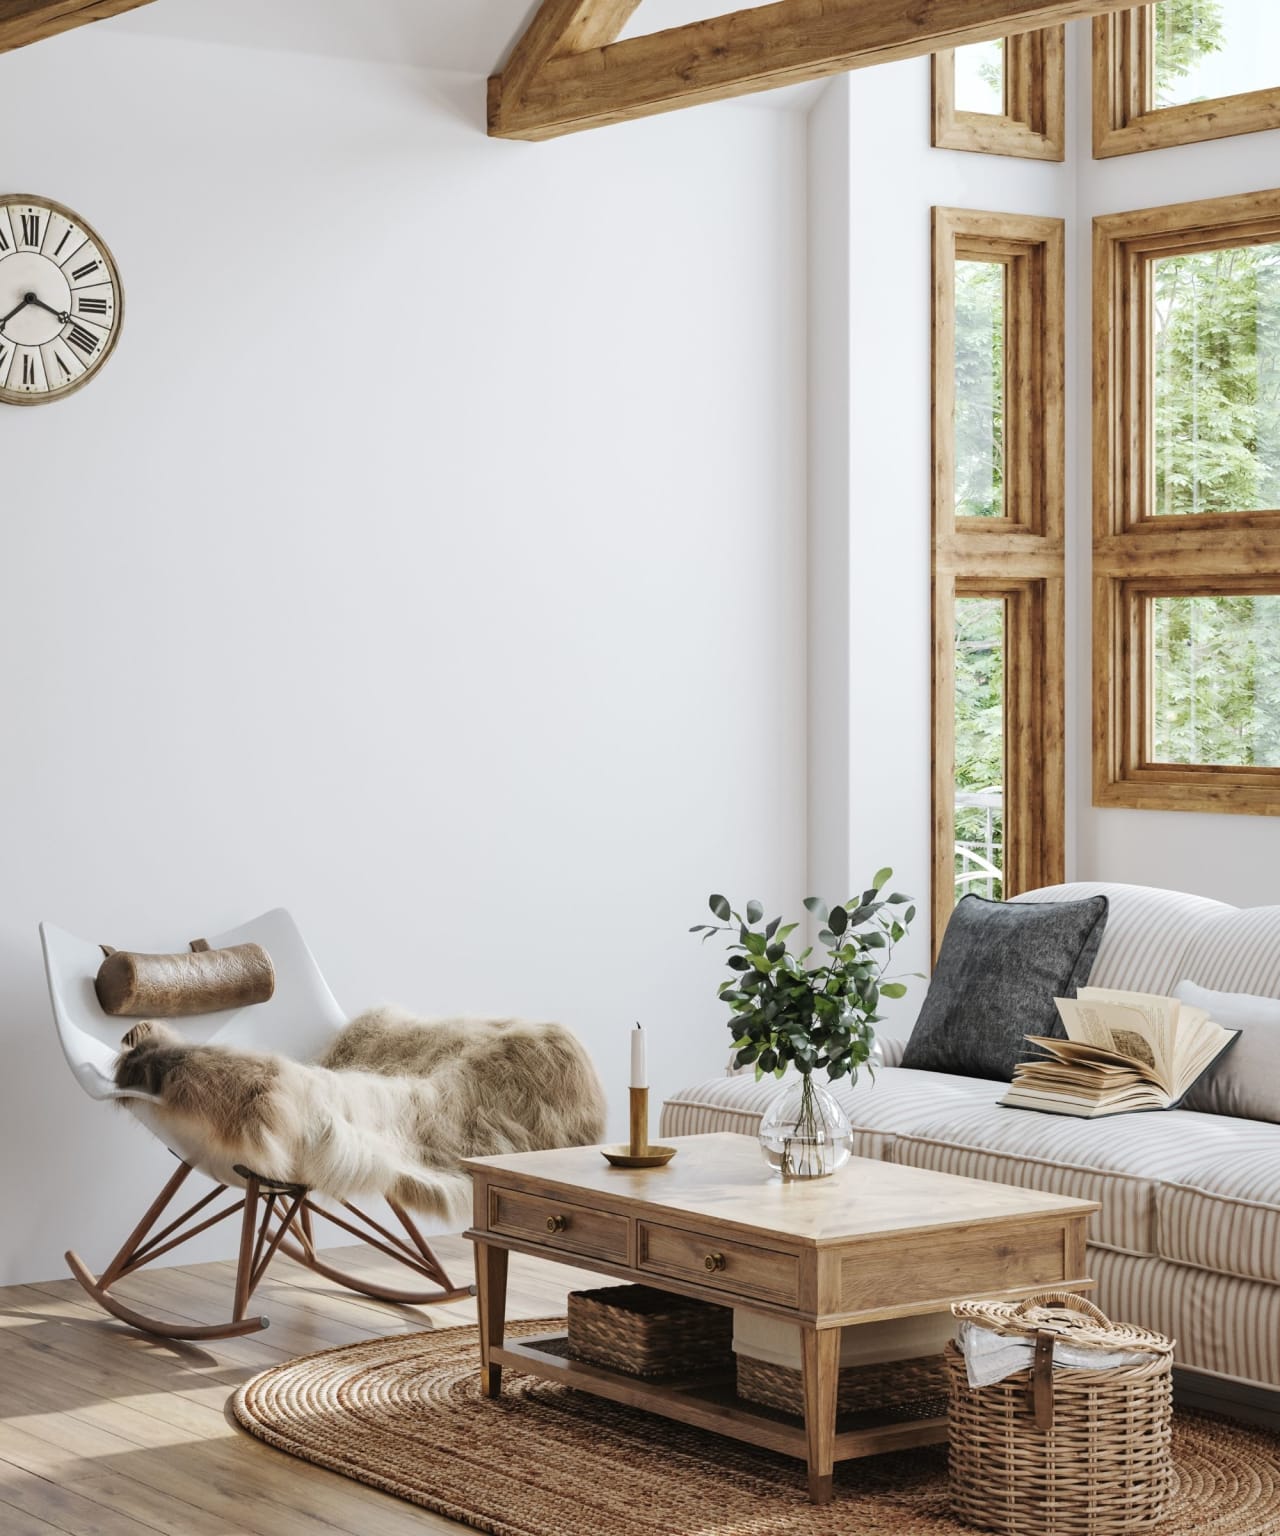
(299, 1019)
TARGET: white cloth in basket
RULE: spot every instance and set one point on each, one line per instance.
(990, 1356)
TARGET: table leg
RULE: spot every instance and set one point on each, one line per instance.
(820, 1357)
(491, 1296)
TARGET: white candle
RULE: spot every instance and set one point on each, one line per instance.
(639, 1074)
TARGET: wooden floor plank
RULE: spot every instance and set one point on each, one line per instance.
(105, 1432)
(61, 1509)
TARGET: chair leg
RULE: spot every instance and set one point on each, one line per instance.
(274, 1218)
(423, 1262)
(248, 1231)
(140, 1248)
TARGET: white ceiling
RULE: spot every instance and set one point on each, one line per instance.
(472, 36)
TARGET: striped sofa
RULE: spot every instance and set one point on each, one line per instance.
(1188, 1238)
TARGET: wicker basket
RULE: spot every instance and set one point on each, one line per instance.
(649, 1333)
(906, 1389)
(1055, 1451)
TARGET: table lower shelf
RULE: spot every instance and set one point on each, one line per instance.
(710, 1402)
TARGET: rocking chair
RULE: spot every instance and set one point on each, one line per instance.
(299, 1021)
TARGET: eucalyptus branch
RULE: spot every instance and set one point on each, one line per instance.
(784, 1012)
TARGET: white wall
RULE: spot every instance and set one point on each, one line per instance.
(874, 180)
(429, 558)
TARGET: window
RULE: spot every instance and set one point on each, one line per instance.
(997, 555)
(1003, 97)
(979, 744)
(1187, 507)
(979, 388)
(1184, 70)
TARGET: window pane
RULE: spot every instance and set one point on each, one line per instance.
(1217, 380)
(979, 806)
(1216, 680)
(1210, 48)
(980, 388)
(980, 77)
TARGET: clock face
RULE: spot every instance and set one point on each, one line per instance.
(61, 303)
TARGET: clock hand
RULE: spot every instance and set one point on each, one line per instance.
(27, 298)
(57, 314)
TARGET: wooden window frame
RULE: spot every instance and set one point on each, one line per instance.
(1033, 124)
(1138, 554)
(1018, 557)
(1125, 121)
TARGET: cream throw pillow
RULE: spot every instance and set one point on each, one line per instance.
(1246, 1081)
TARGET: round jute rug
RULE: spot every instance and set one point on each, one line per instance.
(405, 1414)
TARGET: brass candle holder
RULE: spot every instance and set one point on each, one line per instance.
(638, 1153)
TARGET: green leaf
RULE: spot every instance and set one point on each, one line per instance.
(881, 877)
(893, 989)
(772, 928)
(909, 916)
(754, 943)
(874, 941)
(838, 920)
(776, 951)
(754, 911)
(817, 906)
(897, 899)
(827, 938)
(787, 929)
(721, 908)
(739, 963)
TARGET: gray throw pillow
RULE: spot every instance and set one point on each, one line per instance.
(1246, 1081)
(999, 969)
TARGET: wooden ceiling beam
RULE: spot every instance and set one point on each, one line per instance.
(563, 27)
(29, 21)
(552, 91)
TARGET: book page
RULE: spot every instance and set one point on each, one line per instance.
(1130, 1024)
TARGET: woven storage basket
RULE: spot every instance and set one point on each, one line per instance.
(648, 1333)
(1103, 1467)
(909, 1389)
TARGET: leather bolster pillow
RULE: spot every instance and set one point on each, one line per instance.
(133, 986)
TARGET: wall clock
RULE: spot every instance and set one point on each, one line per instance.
(61, 303)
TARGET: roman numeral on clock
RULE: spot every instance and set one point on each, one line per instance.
(4, 244)
(30, 229)
(66, 235)
(91, 306)
(86, 341)
(63, 364)
(28, 369)
(84, 271)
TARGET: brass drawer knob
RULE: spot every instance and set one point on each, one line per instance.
(557, 1223)
(713, 1262)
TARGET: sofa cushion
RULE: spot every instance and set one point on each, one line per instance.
(1223, 1212)
(1149, 934)
(999, 969)
(1120, 1161)
(1246, 1081)
(878, 1110)
(1236, 950)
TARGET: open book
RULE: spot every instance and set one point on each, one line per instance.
(1123, 1051)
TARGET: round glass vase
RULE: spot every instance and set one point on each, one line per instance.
(804, 1133)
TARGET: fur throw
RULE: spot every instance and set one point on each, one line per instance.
(391, 1108)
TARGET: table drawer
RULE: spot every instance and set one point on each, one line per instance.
(558, 1224)
(741, 1268)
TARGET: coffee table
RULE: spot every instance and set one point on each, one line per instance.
(873, 1241)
